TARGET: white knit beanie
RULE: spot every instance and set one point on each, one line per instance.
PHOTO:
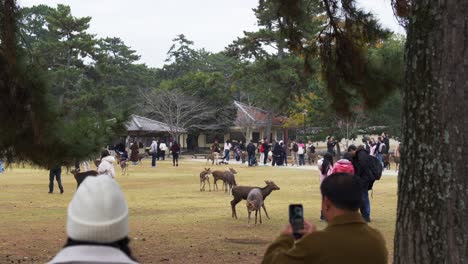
(98, 211)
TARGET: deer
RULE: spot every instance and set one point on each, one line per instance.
(205, 177)
(229, 181)
(241, 192)
(254, 202)
(80, 176)
(219, 176)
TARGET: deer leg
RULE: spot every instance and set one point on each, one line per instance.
(248, 221)
(209, 184)
(234, 202)
(256, 213)
(260, 214)
(201, 185)
(264, 209)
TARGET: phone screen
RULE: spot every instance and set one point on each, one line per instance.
(296, 218)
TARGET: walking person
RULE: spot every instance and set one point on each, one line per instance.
(278, 154)
(325, 166)
(215, 150)
(242, 149)
(154, 153)
(396, 156)
(162, 148)
(301, 153)
(227, 150)
(261, 150)
(373, 147)
(107, 164)
(386, 141)
(134, 153)
(310, 152)
(175, 150)
(251, 152)
(55, 173)
(363, 174)
(294, 148)
(97, 225)
(381, 150)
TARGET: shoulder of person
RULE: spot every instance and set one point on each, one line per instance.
(91, 254)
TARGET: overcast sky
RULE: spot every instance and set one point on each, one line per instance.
(148, 26)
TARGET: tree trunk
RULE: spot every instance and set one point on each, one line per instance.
(432, 216)
(268, 125)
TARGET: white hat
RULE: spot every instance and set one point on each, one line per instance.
(98, 211)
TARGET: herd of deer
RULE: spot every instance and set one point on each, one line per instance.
(255, 196)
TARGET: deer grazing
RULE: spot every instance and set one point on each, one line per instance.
(254, 202)
(241, 193)
(229, 181)
(221, 176)
(205, 177)
(80, 176)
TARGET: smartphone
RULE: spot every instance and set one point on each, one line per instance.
(296, 218)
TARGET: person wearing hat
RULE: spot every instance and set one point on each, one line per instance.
(97, 225)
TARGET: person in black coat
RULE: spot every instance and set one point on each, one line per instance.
(251, 153)
(360, 159)
(277, 154)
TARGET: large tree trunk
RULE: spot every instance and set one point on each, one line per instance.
(432, 218)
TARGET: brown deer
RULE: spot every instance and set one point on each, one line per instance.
(220, 176)
(241, 192)
(80, 176)
(205, 177)
(229, 181)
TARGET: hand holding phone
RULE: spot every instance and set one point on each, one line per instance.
(296, 219)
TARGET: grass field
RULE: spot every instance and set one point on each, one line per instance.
(170, 219)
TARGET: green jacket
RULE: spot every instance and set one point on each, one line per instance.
(347, 239)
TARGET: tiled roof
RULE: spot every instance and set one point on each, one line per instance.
(251, 115)
(139, 123)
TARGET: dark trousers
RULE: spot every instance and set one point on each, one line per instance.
(265, 158)
(55, 173)
(175, 159)
(251, 160)
(301, 160)
(365, 208)
(162, 155)
(153, 159)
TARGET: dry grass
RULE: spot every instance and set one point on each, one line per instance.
(170, 219)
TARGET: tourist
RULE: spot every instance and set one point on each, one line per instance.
(396, 156)
(107, 164)
(386, 141)
(301, 149)
(175, 150)
(134, 152)
(227, 150)
(363, 174)
(97, 225)
(325, 167)
(251, 153)
(1, 166)
(294, 148)
(310, 152)
(331, 145)
(162, 147)
(380, 150)
(285, 153)
(154, 152)
(215, 151)
(242, 149)
(373, 147)
(346, 239)
(55, 173)
(278, 154)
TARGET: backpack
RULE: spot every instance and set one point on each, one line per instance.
(295, 147)
(375, 168)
